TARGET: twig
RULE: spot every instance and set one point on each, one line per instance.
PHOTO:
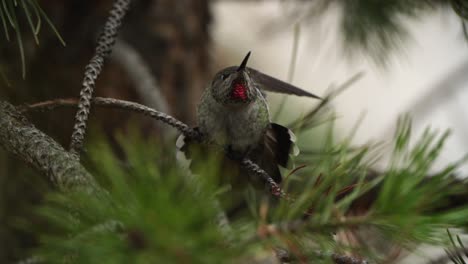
(343, 259)
(93, 69)
(119, 104)
(275, 188)
(21, 138)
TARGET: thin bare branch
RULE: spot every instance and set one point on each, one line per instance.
(165, 118)
(93, 69)
(275, 188)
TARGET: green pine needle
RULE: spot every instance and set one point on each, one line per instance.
(48, 21)
(160, 214)
(29, 18)
(8, 15)
(18, 37)
(4, 22)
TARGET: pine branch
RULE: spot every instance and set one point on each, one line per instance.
(93, 69)
(21, 138)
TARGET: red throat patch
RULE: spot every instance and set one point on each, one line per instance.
(239, 91)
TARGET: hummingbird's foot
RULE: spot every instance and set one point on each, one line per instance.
(232, 154)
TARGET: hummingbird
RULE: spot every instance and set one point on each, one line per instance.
(233, 113)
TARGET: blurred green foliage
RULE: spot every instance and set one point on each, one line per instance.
(377, 27)
(155, 212)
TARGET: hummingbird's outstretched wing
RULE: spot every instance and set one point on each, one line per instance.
(272, 84)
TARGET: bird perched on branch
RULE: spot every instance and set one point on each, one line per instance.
(233, 113)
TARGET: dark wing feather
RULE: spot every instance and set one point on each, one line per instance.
(272, 84)
(277, 144)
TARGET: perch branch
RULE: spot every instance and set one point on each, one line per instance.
(93, 69)
(275, 188)
(165, 118)
(21, 138)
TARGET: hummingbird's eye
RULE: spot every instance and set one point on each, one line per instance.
(224, 76)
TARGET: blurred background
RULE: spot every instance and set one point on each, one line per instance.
(414, 58)
(426, 75)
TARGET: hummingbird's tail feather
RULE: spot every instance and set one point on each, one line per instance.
(280, 141)
(194, 155)
(272, 84)
(277, 145)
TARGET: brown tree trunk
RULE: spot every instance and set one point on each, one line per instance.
(174, 38)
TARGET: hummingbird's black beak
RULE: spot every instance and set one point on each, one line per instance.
(244, 62)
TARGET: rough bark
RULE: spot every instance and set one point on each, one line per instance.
(21, 138)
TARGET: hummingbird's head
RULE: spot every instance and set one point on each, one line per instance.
(233, 85)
